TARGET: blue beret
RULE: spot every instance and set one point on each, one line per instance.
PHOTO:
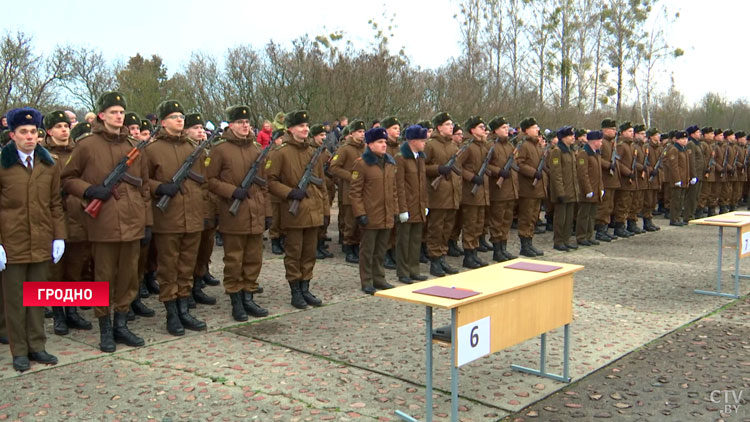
(680, 134)
(594, 135)
(23, 116)
(565, 131)
(415, 132)
(692, 129)
(375, 134)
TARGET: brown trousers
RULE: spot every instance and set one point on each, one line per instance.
(501, 218)
(205, 249)
(147, 260)
(691, 201)
(457, 225)
(301, 249)
(666, 189)
(605, 208)
(243, 258)
(177, 253)
(117, 262)
(563, 222)
(649, 203)
(725, 198)
(371, 255)
(737, 192)
(439, 228)
(409, 240)
(528, 215)
(585, 221)
(623, 201)
(275, 231)
(636, 205)
(677, 203)
(352, 230)
(473, 225)
(25, 325)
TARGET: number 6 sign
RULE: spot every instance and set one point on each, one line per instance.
(473, 341)
(745, 243)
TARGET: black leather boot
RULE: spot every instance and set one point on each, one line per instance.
(199, 295)
(74, 320)
(484, 246)
(139, 308)
(478, 260)
(188, 321)
(174, 326)
(633, 227)
(453, 249)
(447, 267)
(504, 250)
(469, 261)
(219, 239)
(620, 230)
(60, 325)
(106, 339)
(538, 252)
(351, 255)
(600, 234)
(150, 280)
(143, 290)
(251, 307)
(276, 246)
(423, 254)
(436, 268)
(390, 261)
(307, 295)
(238, 310)
(122, 333)
(497, 252)
(298, 301)
(322, 250)
(210, 280)
(525, 248)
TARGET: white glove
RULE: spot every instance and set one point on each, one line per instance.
(3, 258)
(58, 248)
(694, 180)
(403, 217)
(590, 195)
(426, 211)
(602, 193)
(678, 184)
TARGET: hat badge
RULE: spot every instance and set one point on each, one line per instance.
(176, 105)
(28, 117)
(117, 98)
(244, 111)
(60, 115)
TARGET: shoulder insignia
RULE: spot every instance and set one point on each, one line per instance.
(218, 142)
(581, 161)
(555, 161)
(282, 145)
(355, 174)
(268, 164)
(207, 161)
(335, 157)
(257, 144)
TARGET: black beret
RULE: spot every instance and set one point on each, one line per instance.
(110, 99)
(317, 130)
(440, 118)
(237, 112)
(415, 132)
(375, 134)
(609, 123)
(497, 122)
(680, 134)
(625, 126)
(707, 129)
(652, 131)
(131, 118)
(565, 131)
(594, 135)
(581, 132)
(193, 119)
(639, 128)
(276, 134)
(428, 124)
(527, 123)
(740, 134)
(389, 121)
(356, 125)
(23, 116)
(146, 125)
(473, 122)
(55, 117)
(168, 107)
(296, 117)
(81, 129)
(692, 129)
(728, 132)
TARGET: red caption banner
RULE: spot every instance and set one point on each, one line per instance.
(65, 293)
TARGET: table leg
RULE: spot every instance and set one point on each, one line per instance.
(428, 371)
(718, 291)
(542, 371)
(454, 368)
(566, 352)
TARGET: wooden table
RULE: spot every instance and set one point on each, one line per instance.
(740, 221)
(513, 306)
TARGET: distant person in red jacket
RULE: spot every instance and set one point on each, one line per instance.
(264, 136)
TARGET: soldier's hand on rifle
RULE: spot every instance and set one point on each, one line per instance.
(296, 194)
(362, 220)
(169, 189)
(477, 180)
(538, 175)
(612, 167)
(444, 170)
(504, 173)
(268, 222)
(239, 193)
(631, 176)
(653, 173)
(97, 192)
(590, 195)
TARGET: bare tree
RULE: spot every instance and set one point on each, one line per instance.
(88, 75)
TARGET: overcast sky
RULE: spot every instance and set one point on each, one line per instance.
(712, 33)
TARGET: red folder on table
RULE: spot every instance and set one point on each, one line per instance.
(530, 266)
(447, 292)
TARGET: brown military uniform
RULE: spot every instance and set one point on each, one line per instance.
(341, 167)
(639, 155)
(373, 193)
(706, 174)
(628, 184)
(678, 170)
(563, 191)
(31, 217)
(697, 163)
(611, 179)
(231, 159)
(503, 198)
(177, 230)
(210, 219)
(654, 152)
(530, 196)
(411, 188)
(392, 149)
(115, 234)
(446, 199)
(473, 205)
(590, 183)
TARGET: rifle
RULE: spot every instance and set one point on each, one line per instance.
(252, 177)
(614, 158)
(659, 162)
(711, 162)
(510, 163)
(452, 163)
(307, 178)
(734, 163)
(483, 169)
(747, 155)
(119, 173)
(184, 171)
(541, 162)
(645, 162)
(635, 163)
(724, 165)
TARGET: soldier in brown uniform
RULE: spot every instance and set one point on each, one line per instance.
(277, 237)
(503, 197)
(628, 179)
(453, 247)
(590, 188)
(708, 176)
(639, 155)
(196, 133)
(411, 187)
(32, 231)
(133, 124)
(697, 163)
(611, 179)
(70, 268)
(122, 222)
(473, 204)
(375, 206)
(318, 134)
(719, 174)
(563, 188)
(232, 157)
(739, 184)
(680, 176)
(728, 153)
(341, 167)
(531, 189)
(286, 167)
(654, 152)
(177, 229)
(393, 128)
(445, 200)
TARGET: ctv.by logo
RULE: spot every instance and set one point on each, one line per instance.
(730, 398)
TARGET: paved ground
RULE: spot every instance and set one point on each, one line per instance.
(644, 347)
